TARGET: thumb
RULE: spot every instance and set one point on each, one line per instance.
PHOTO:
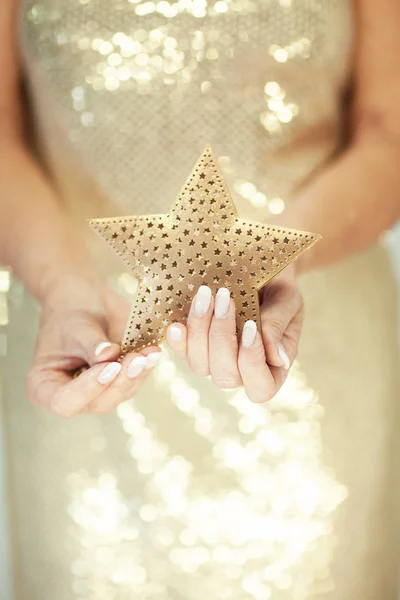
(92, 342)
(280, 317)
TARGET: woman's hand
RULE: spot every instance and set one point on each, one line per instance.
(79, 326)
(261, 362)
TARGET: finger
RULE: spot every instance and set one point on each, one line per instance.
(120, 308)
(291, 338)
(91, 340)
(198, 326)
(275, 319)
(55, 391)
(104, 351)
(177, 339)
(223, 345)
(135, 370)
(258, 381)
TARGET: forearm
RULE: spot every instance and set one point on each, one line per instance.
(37, 238)
(351, 203)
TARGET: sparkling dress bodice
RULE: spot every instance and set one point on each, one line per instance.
(138, 89)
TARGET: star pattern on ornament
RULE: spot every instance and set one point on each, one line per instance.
(200, 241)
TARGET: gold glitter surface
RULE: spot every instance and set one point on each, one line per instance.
(125, 79)
(201, 241)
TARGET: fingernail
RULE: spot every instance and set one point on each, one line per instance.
(136, 366)
(109, 373)
(101, 347)
(284, 356)
(202, 300)
(222, 300)
(152, 359)
(249, 334)
(174, 333)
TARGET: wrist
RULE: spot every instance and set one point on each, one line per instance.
(73, 291)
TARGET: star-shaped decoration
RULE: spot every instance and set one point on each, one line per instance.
(200, 241)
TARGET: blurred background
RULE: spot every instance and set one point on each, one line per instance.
(393, 241)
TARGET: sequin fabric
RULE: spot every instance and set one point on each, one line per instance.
(188, 492)
(145, 86)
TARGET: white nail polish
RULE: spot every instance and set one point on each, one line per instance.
(101, 347)
(222, 300)
(175, 333)
(109, 373)
(136, 366)
(152, 359)
(249, 334)
(202, 300)
(284, 356)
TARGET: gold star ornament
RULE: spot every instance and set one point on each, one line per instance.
(200, 241)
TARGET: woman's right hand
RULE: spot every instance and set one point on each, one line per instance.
(82, 326)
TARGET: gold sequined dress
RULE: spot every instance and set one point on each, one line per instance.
(188, 492)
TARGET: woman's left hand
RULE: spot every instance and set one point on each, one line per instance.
(262, 359)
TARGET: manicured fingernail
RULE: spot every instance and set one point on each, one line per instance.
(222, 300)
(109, 373)
(152, 359)
(284, 356)
(174, 333)
(249, 333)
(202, 300)
(101, 347)
(136, 366)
